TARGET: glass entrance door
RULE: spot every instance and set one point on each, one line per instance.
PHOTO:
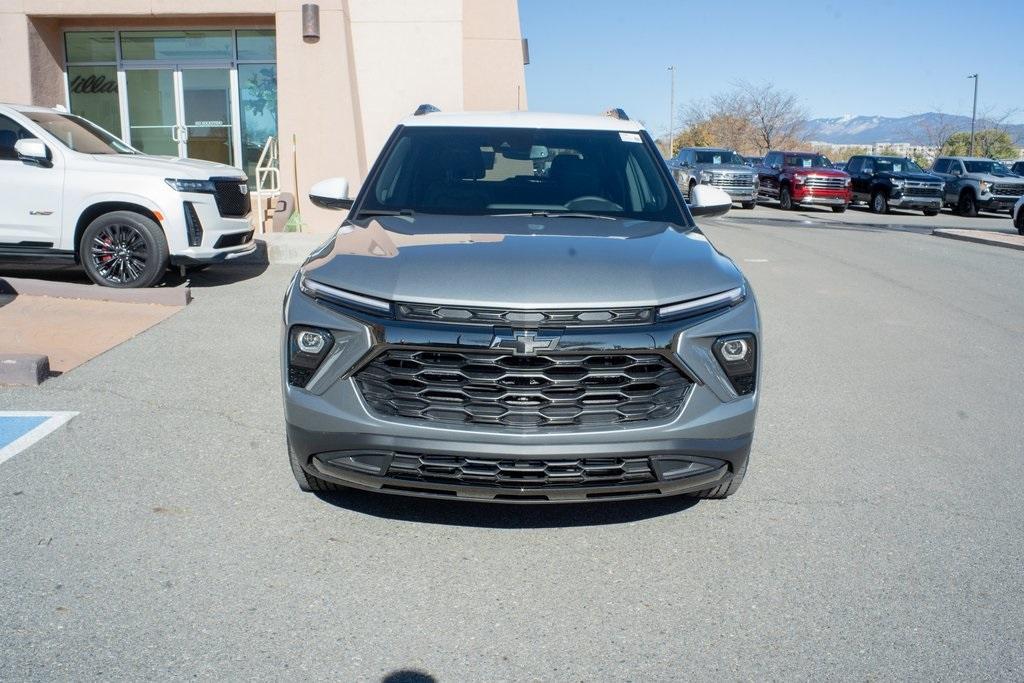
(182, 111)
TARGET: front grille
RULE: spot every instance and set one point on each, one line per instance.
(528, 392)
(497, 472)
(825, 182)
(922, 190)
(232, 201)
(1008, 190)
(732, 181)
(522, 318)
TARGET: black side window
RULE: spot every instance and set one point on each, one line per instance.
(869, 166)
(853, 166)
(10, 133)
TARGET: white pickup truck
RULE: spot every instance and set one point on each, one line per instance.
(74, 192)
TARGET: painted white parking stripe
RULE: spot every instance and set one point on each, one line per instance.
(30, 431)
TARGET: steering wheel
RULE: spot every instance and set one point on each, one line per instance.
(592, 203)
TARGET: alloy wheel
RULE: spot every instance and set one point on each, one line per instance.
(119, 253)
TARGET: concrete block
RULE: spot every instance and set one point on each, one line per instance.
(24, 369)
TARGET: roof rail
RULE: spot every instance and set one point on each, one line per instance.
(617, 113)
(425, 109)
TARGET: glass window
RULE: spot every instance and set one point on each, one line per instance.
(257, 100)
(176, 45)
(78, 134)
(853, 166)
(941, 166)
(93, 92)
(90, 46)
(256, 44)
(10, 133)
(517, 170)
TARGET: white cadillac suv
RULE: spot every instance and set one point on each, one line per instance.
(74, 192)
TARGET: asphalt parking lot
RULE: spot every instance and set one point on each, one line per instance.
(159, 533)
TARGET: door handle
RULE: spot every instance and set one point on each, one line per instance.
(174, 134)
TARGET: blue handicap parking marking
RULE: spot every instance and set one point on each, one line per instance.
(21, 429)
(13, 428)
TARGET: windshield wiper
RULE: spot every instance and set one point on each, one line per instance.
(386, 212)
(557, 214)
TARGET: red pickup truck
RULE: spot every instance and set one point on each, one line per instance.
(795, 178)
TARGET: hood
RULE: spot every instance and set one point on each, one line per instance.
(522, 262)
(916, 177)
(728, 168)
(172, 167)
(826, 171)
(997, 177)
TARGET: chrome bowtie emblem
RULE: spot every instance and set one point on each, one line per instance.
(525, 343)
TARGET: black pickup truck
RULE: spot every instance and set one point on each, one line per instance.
(894, 182)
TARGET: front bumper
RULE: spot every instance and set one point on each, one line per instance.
(198, 256)
(337, 437)
(822, 197)
(905, 202)
(997, 203)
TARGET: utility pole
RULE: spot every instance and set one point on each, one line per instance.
(974, 110)
(671, 110)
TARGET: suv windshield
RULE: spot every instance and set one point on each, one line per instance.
(489, 171)
(79, 134)
(896, 165)
(806, 161)
(719, 157)
(986, 167)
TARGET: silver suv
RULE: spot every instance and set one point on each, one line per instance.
(723, 168)
(975, 184)
(485, 326)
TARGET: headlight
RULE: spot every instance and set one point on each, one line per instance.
(985, 186)
(705, 177)
(318, 290)
(189, 185)
(737, 354)
(307, 348)
(799, 178)
(849, 181)
(898, 183)
(704, 304)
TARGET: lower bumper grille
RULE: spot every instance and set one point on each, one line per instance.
(521, 473)
(1008, 190)
(528, 392)
(232, 197)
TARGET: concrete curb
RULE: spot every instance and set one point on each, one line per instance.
(164, 296)
(24, 369)
(291, 247)
(993, 239)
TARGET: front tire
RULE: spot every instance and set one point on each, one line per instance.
(124, 249)
(689, 192)
(930, 212)
(727, 489)
(1018, 221)
(879, 203)
(967, 206)
(748, 205)
(838, 209)
(786, 200)
(307, 482)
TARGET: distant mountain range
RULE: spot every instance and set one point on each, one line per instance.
(918, 129)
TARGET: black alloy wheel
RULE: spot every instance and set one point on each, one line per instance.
(124, 249)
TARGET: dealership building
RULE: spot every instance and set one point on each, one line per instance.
(213, 79)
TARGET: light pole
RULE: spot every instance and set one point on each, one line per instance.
(974, 111)
(671, 109)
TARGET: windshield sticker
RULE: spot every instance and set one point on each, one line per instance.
(806, 163)
(630, 137)
(717, 159)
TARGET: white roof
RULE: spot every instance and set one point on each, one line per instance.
(521, 119)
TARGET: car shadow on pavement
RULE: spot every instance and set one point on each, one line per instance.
(504, 515)
(215, 276)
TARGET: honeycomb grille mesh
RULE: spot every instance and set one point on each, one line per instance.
(231, 200)
(521, 473)
(529, 392)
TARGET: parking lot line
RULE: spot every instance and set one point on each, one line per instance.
(21, 429)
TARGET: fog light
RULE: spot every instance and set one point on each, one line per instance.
(735, 350)
(737, 354)
(311, 342)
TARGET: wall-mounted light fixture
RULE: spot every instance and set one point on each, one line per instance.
(311, 22)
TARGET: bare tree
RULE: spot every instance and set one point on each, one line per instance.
(776, 115)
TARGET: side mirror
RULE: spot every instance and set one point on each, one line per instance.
(33, 151)
(331, 194)
(709, 201)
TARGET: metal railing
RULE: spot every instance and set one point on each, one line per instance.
(268, 182)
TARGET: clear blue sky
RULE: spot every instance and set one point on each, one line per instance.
(875, 57)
